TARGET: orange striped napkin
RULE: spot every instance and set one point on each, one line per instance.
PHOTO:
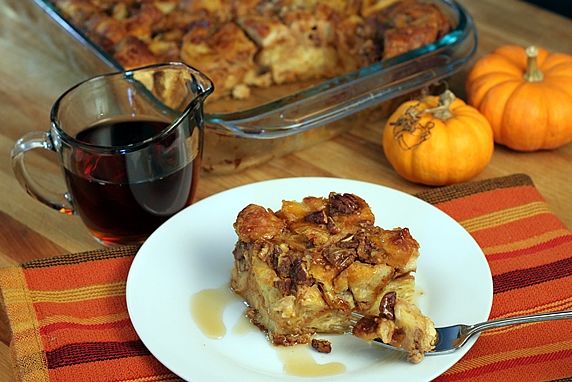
(69, 318)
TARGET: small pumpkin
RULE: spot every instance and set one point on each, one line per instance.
(438, 140)
(526, 94)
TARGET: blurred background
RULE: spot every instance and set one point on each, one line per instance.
(564, 7)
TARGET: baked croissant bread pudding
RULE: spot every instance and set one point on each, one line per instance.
(241, 44)
(304, 269)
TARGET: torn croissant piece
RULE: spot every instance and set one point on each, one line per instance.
(304, 269)
(400, 323)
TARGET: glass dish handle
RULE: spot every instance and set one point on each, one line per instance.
(30, 141)
(346, 95)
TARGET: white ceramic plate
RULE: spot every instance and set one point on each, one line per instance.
(192, 251)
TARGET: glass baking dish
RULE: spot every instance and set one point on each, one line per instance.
(282, 119)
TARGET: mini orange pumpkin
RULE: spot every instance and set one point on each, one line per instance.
(438, 140)
(526, 94)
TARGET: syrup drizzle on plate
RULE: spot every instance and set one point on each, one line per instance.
(207, 309)
(297, 360)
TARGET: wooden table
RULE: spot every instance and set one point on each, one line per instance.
(33, 74)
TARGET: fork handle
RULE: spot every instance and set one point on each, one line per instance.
(498, 323)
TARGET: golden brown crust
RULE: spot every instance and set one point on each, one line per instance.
(257, 223)
(221, 50)
(135, 51)
(257, 42)
(409, 25)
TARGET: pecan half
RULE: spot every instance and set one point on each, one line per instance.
(317, 217)
(333, 229)
(349, 241)
(298, 274)
(387, 306)
(366, 327)
(343, 204)
(340, 258)
(281, 262)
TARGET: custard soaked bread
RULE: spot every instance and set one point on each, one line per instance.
(305, 268)
(399, 323)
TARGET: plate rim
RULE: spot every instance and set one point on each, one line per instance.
(318, 179)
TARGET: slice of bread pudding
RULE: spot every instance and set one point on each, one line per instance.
(305, 268)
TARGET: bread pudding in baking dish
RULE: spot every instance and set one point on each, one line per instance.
(304, 269)
(241, 44)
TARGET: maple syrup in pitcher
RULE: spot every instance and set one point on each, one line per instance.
(129, 144)
(126, 197)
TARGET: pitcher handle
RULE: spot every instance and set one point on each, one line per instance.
(30, 141)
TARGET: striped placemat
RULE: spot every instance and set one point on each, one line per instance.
(69, 317)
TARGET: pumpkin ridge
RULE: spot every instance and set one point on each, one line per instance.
(478, 136)
(558, 85)
(479, 89)
(495, 63)
(422, 166)
(457, 156)
(492, 102)
(497, 73)
(512, 54)
(461, 111)
(563, 69)
(527, 137)
(556, 59)
(472, 114)
(504, 122)
(547, 112)
(561, 135)
(543, 55)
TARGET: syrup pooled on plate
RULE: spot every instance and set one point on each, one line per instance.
(207, 310)
(298, 361)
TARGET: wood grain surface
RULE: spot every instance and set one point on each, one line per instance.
(33, 73)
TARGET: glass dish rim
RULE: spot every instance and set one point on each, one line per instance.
(233, 122)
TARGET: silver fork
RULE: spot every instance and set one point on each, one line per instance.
(451, 338)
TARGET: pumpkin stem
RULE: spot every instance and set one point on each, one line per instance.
(443, 111)
(532, 74)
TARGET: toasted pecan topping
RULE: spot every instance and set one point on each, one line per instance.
(299, 274)
(387, 306)
(349, 241)
(281, 263)
(340, 258)
(333, 229)
(344, 204)
(366, 327)
(318, 217)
